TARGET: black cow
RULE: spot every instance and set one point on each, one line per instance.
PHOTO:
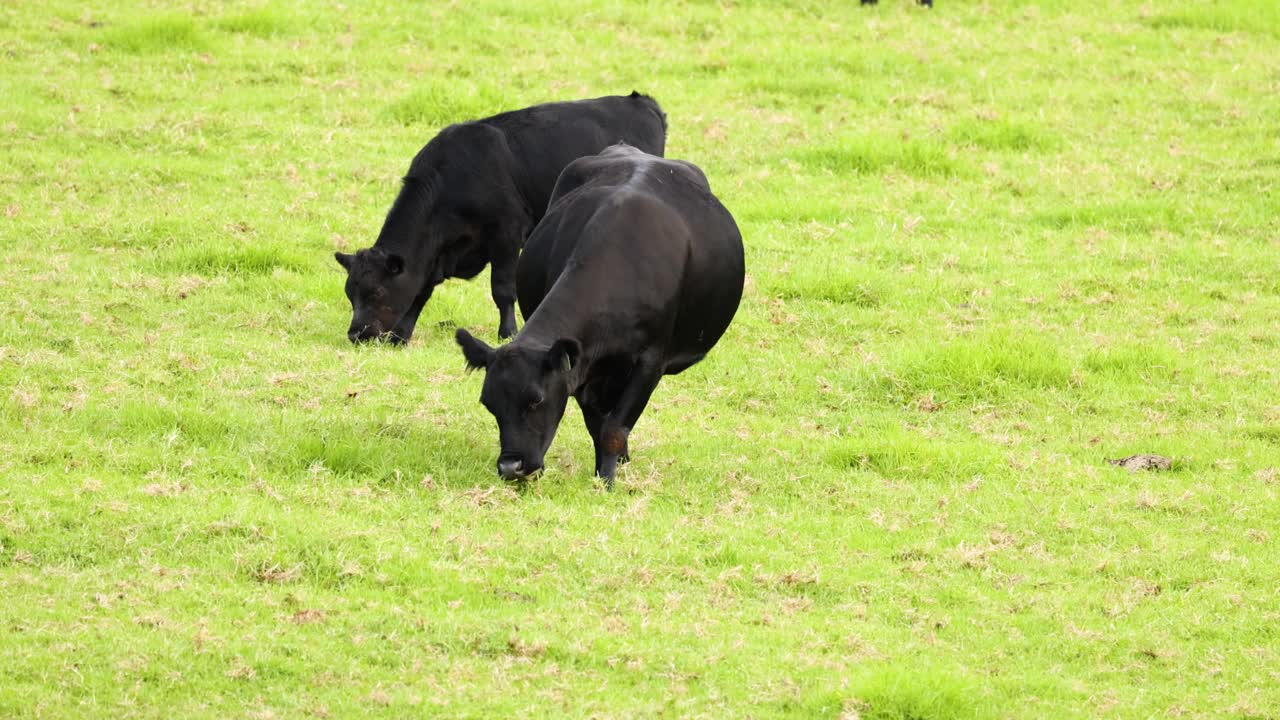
(472, 196)
(634, 273)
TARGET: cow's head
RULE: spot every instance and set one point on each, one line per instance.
(526, 389)
(380, 291)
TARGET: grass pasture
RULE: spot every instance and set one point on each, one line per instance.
(988, 246)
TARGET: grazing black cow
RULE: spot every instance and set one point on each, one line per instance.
(634, 273)
(472, 196)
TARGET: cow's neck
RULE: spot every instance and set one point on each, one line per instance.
(406, 233)
(419, 261)
(527, 192)
(576, 308)
(554, 320)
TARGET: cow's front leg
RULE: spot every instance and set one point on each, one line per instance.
(502, 281)
(616, 426)
(595, 423)
(403, 330)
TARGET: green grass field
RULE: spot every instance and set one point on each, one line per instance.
(989, 246)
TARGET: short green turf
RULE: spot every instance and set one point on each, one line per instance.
(989, 246)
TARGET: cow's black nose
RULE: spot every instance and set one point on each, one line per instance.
(365, 333)
(509, 468)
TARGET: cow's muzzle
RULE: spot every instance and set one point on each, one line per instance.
(369, 333)
(364, 333)
(511, 467)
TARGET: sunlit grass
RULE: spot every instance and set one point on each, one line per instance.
(989, 247)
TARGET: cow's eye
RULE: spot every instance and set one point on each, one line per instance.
(534, 402)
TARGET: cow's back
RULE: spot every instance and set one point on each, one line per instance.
(479, 163)
(544, 139)
(652, 231)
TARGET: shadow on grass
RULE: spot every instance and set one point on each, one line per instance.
(829, 284)
(393, 454)
(984, 367)
(998, 135)
(898, 453)
(900, 692)
(1137, 217)
(259, 22)
(895, 692)
(880, 154)
(1243, 16)
(238, 260)
(439, 104)
(157, 35)
(1134, 363)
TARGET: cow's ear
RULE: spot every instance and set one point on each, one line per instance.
(477, 353)
(394, 264)
(344, 259)
(563, 355)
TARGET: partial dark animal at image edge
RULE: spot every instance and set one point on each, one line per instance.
(635, 273)
(926, 3)
(472, 196)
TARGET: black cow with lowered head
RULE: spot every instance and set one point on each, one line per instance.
(472, 196)
(635, 273)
